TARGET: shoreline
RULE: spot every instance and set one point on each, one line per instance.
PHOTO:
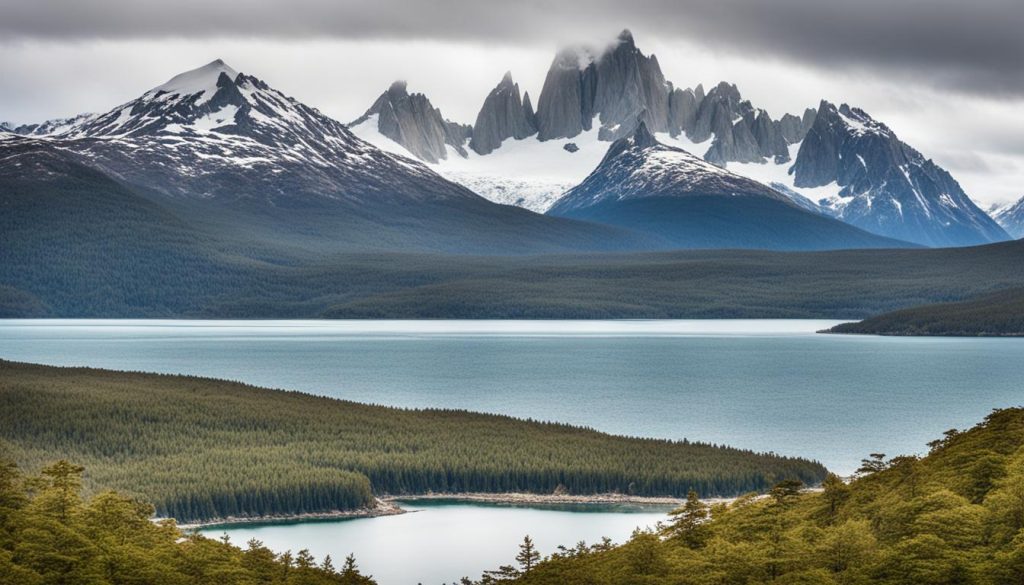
(388, 505)
(545, 499)
(384, 507)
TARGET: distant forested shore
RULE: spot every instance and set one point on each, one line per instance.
(999, 314)
(203, 449)
(689, 284)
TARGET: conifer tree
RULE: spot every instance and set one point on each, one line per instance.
(528, 556)
(689, 523)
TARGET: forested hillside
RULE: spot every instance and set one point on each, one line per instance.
(999, 314)
(955, 516)
(50, 534)
(200, 448)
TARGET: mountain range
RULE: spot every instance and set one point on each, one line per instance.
(834, 161)
(238, 163)
(231, 157)
(214, 183)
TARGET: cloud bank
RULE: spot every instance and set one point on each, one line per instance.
(974, 47)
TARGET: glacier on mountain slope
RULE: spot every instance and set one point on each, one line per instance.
(527, 173)
(534, 174)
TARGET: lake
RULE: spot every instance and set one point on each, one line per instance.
(763, 385)
(440, 542)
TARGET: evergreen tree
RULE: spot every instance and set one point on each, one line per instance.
(873, 464)
(689, 523)
(528, 555)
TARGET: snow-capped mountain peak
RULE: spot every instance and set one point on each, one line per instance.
(645, 185)
(883, 185)
(202, 81)
(213, 132)
(639, 166)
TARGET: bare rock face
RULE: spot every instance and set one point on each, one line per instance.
(504, 115)
(719, 108)
(566, 101)
(412, 121)
(734, 141)
(620, 86)
(682, 110)
(768, 135)
(794, 128)
(741, 133)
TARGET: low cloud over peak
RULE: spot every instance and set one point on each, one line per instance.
(974, 47)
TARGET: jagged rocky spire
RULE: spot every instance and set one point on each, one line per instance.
(412, 121)
(615, 85)
(503, 115)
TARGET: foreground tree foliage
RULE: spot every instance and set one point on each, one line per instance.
(953, 517)
(203, 449)
(50, 535)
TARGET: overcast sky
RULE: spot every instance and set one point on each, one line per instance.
(946, 75)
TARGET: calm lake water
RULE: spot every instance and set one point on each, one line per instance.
(442, 542)
(763, 385)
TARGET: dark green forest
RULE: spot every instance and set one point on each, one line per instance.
(953, 517)
(201, 449)
(50, 534)
(81, 282)
(993, 315)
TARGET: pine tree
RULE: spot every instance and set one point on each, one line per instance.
(835, 492)
(873, 464)
(528, 556)
(689, 523)
(350, 574)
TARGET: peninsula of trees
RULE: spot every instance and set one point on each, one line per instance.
(202, 449)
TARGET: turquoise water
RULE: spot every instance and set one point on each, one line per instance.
(442, 542)
(763, 385)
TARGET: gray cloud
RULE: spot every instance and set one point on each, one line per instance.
(975, 47)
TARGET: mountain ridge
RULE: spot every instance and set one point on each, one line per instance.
(592, 96)
(236, 154)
